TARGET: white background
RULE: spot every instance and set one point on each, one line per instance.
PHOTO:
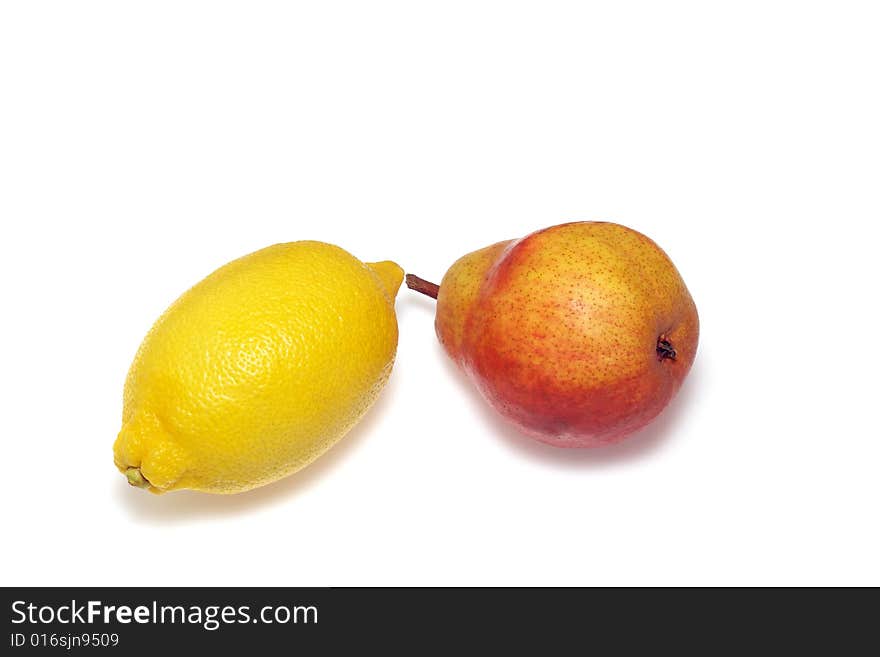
(142, 145)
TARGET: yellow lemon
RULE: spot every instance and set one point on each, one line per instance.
(258, 370)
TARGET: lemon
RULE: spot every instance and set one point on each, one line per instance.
(258, 370)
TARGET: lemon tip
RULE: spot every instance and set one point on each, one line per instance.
(390, 273)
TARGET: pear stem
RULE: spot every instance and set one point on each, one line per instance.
(421, 285)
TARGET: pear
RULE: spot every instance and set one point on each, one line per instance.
(579, 334)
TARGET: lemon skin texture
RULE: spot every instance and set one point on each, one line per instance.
(258, 370)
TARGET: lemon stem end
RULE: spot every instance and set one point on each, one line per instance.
(136, 478)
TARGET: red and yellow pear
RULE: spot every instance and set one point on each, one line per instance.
(580, 334)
